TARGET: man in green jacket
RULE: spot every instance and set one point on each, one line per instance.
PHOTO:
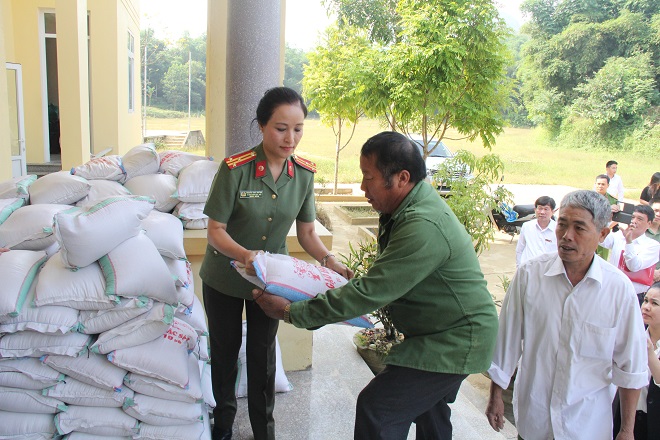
(428, 274)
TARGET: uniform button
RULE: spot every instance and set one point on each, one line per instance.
(270, 219)
(263, 238)
(215, 252)
(274, 196)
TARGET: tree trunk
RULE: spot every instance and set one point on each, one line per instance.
(337, 150)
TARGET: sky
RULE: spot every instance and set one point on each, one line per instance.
(305, 19)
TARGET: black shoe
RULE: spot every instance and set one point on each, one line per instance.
(219, 434)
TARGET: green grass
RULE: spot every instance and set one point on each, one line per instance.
(528, 156)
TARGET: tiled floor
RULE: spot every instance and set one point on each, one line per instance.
(322, 403)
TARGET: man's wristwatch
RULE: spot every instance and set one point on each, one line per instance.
(287, 317)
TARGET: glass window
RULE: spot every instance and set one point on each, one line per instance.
(49, 23)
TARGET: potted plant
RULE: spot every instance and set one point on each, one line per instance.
(372, 344)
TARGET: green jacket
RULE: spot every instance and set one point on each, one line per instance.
(258, 212)
(429, 275)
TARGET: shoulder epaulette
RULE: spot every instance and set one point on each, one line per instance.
(240, 159)
(306, 164)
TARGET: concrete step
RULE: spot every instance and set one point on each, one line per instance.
(41, 169)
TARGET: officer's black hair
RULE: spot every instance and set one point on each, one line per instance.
(275, 97)
(545, 201)
(394, 153)
(646, 210)
(610, 163)
(603, 176)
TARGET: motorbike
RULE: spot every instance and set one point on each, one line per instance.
(510, 219)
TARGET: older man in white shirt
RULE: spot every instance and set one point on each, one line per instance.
(537, 236)
(639, 251)
(570, 323)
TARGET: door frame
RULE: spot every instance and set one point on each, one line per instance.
(19, 163)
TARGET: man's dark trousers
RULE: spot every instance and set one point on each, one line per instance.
(399, 396)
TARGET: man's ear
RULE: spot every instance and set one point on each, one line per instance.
(403, 178)
(603, 233)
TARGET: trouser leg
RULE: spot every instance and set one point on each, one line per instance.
(260, 351)
(398, 396)
(224, 315)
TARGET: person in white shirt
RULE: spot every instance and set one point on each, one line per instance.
(570, 323)
(639, 251)
(616, 184)
(537, 236)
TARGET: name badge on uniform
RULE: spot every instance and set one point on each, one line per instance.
(246, 194)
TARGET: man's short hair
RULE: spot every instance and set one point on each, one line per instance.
(545, 201)
(610, 163)
(646, 210)
(596, 204)
(394, 153)
(603, 176)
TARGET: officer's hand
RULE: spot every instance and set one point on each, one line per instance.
(248, 262)
(272, 305)
(3, 249)
(337, 266)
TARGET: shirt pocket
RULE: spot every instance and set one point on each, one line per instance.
(597, 342)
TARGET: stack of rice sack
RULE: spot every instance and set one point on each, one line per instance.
(179, 181)
(100, 331)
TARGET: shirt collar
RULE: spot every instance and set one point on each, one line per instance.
(594, 272)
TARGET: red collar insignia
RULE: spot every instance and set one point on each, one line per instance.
(290, 168)
(260, 170)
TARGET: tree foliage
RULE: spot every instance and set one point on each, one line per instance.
(294, 62)
(592, 61)
(378, 17)
(334, 82)
(169, 89)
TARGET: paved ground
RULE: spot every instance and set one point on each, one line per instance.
(321, 406)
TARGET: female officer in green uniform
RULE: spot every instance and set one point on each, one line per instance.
(255, 198)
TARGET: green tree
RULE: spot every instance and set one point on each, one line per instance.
(447, 70)
(294, 64)
(333, 83)
(620, 93)
(378, 17)
(175, 86)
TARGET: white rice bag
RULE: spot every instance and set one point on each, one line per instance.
(160, 187)
(192, 431)
(161, 412)
(28, 401)
(139, 330)
(26, 426)
(96, 420)
(30, 227)
(166, 231)
(192, 215)
(87, 233)
(27, 373)
(152, 280)
(98, 321)
(75, 392)
(17, 187)
(33, 344)
(82, 289)
(160, 389)
(173, 161)
(295, 280)
(147, 359)
(92, 369)
(8, 206)
(61, 188)
(140, 160)
(195, 181)
(44, 319)
(104, 168)
(18, 269)
(102, 189)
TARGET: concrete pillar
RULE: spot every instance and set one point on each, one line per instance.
(253, 65)
(5, 139)
(73, 78)
(216, 78)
